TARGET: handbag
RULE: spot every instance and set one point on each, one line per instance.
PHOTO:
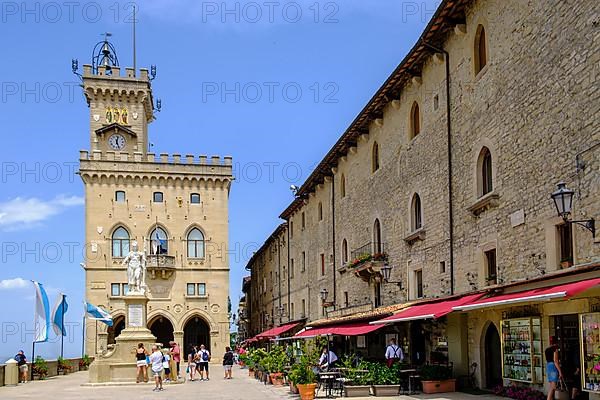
(562, 392)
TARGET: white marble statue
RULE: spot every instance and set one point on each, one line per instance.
(136, 270)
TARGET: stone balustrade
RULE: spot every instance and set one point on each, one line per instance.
(52, 368)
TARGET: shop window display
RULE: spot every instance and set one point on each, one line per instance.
(590, 331)
(522, 350)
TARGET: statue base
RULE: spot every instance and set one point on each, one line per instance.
(118, 363)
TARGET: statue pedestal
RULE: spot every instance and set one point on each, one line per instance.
(118, 364)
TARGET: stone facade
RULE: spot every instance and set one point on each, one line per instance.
(186, 198)
(532, 105)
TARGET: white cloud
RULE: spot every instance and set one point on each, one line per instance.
(24, 213)
(15, 283)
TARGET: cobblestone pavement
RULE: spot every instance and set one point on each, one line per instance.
(241, 387)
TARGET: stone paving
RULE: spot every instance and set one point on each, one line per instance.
(240, 387)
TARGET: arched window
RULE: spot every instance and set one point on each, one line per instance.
(375, 158)
(120, 196)
(320, 211)
(416, 213)
(377, 245)
(159, 242)
(157, 197)
(194, 198)
(480, 58)
(415, 120)
(485, 172)
(120, 242)
(344, 251)
(343, 185)
(195, 243)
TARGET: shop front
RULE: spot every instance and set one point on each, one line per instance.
(509, 331)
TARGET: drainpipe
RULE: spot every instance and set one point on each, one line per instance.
(449, 143)
(334, 239)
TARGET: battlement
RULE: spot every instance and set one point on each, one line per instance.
(130, 73)
(162, 158)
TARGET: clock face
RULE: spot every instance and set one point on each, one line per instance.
(116, 142)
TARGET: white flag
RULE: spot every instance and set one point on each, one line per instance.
(41, 319)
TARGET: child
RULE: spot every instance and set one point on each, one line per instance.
(166, 364)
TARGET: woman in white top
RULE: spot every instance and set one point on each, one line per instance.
(156, 359)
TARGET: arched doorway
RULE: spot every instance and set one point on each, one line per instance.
(195, 333)
(162, 328)
(493, 357)
(115, 330)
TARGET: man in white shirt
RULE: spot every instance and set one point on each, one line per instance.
(328, 359)
(202, 365)
(156, 360)
(393, 353)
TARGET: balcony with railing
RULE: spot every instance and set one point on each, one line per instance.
(160, 266)
(367, 260)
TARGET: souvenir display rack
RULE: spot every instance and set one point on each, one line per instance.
(522, 350)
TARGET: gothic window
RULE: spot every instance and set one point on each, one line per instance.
(157, 197)
(120, 242)
(415, 120)
(344, 251)
(343, 185)
(159, 243)
(195, 243)
(485, 171)
(480, 49)
(416, 213)
(375, 158)
(377, 245)
(320, 211)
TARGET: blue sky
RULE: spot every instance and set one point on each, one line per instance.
(273, 84)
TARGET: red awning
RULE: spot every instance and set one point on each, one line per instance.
(361, 328)
(279, 330)
(428, 310)
(251, 340)
(540, 294)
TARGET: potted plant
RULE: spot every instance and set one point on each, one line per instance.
(437, 379)
(40, 368)
(85, 362)
(357, 383)
(302, 373)
(275, 364)
(63, 366)
(386, 380)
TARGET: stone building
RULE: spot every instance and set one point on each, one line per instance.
(446, 176)
(175, 207)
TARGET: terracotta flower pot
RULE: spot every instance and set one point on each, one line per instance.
(276, 379)
(448, 385)
(307, 392)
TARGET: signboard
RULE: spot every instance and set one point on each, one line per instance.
(136, 315)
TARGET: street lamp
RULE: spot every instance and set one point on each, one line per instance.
(563, 201)
(324, 293)
(386, 272)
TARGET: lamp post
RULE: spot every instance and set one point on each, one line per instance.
(563, 201)
(386, 272)
(323, 293)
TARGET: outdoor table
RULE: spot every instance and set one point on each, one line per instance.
(328, 378)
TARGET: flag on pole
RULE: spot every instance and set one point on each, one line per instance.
(98, 314)
(41, 319)
(58, 314)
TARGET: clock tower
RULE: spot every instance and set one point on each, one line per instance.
(173, 207)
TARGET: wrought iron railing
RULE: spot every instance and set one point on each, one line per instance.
(370, 248)
(161, 261)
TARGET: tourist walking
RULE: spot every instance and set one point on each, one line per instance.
(156, 360)
(228, 362)
(191, 368)
(553, 371)
(141, 364)
(203, 360)
(22, 364)
(393, 353)
(176, 355)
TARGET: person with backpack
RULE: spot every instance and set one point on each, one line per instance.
(393, 353)
(22, 364)
(204, 358)
(228, 359)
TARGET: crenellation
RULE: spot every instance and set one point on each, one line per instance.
(163, 158)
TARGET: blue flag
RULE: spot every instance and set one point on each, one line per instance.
(58, 315)
(41, 319)
(98, 314)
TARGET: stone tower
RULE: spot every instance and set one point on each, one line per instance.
(174, 206)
